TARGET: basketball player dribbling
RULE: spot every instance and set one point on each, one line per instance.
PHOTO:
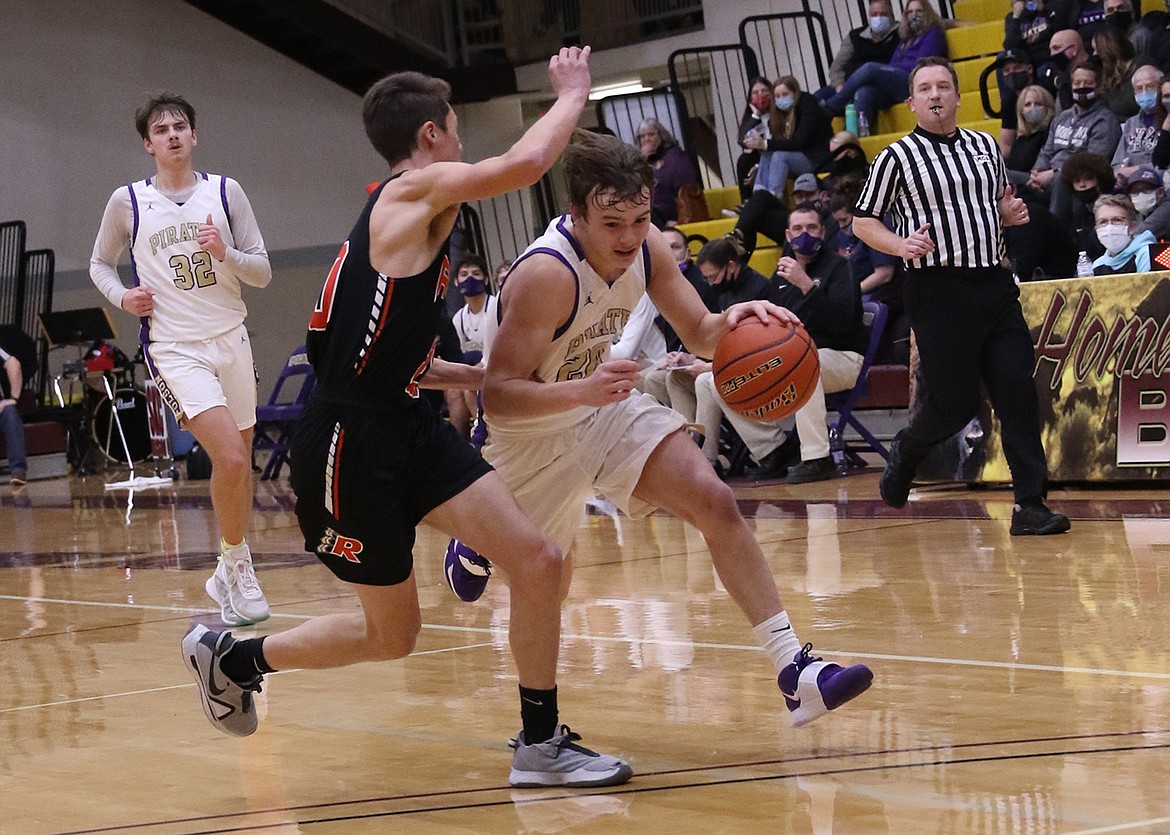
(193, 240)
(372, 460)
(562, 419)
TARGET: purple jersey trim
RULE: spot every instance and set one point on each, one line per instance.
(134, 209)
(569, 237)
(646, 262)
(560, 257)
(223, 199)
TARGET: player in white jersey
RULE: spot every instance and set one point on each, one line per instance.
(564, 419)
(193, 240)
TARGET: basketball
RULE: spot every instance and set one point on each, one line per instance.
(766, 370)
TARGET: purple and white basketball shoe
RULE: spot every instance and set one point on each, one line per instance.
(466, 571)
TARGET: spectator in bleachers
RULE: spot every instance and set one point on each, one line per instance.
(1035, 110)
(471, 326)
(816, 283)
(797, 140)
(1126, 249)
(682, 254)
(500, 274)
(1066, 52)
(673, 169)
(1122, 18)
(1146, 191)
(1086, 177)
(1139, 133)
(1014, 72)
(755, 119)
(1118, 64)
(1157, 23)
(11, 424)
(1087, 17)
(846, 166)
(876, 86)
(874, 43)
(1160, 157)
(1029, 26)
(1089, 125)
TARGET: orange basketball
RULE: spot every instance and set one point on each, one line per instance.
(766, 370)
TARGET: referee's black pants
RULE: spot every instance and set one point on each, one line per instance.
(970, 331)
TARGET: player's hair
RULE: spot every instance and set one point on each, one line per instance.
(605, 171)
(1120, 201)
(396, 107)
(471, 259)
(934, 61)
(162, 103)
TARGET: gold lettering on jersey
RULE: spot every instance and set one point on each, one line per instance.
(581, 357)
(171, 235)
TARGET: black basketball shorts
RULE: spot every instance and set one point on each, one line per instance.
(364, 482)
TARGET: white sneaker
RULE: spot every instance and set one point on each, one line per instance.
(235, 588)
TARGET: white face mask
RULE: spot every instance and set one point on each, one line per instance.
(1145, 201)
(1114, 238)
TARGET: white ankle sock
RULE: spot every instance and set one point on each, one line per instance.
(778, 639)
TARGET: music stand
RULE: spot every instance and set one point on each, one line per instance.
(76, 327)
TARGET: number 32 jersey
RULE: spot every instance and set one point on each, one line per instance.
(195, 296)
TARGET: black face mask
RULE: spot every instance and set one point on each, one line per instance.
(1120, 20)
(1016, 80)
(1061, 61)
(1083, 96)
(1088, 196)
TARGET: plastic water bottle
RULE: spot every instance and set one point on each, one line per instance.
(851, 119)
(862, 125)
(1084, 265)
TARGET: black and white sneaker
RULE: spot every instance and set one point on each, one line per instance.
(228, 705)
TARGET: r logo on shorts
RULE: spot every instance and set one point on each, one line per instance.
(334, 544)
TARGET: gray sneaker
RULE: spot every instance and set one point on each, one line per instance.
(561, 762)
(235, 588)
(229, 706)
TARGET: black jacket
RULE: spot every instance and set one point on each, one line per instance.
(831, 313)
(812, 132)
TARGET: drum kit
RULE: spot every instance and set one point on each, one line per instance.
(123, 422)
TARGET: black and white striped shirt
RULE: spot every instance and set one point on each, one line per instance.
(954, 183)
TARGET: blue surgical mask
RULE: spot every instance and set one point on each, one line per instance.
(1146, 100)
(806, 244)
(784, 102)
(880, 25)
(1031, 5)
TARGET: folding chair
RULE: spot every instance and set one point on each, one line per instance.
(275, 419)
(842, 402)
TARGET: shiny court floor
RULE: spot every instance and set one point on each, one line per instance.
(1022, 685)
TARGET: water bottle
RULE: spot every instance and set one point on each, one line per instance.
(1084, 265)
(851, 119)
(862, 125)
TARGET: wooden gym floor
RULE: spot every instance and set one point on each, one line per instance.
(1022, 684)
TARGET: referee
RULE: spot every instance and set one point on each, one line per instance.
(946, 189)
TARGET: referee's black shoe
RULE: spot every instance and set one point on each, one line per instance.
(1034, 519)
(896, 478)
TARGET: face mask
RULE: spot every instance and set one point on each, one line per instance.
(1034, 114)
(1146, 100)
(1031, 5)
(1016, 80)
(1145, 201)
(1114, 238)
(784, 102)
(915, 21)
(761, 101)
(880, 25)
(1083, 96)
(1120, 19)
(1061, 60)
(1088, 196)
(1166, 103)
(472, 287)
(806, 244)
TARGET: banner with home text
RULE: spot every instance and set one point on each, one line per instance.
(1102, 372)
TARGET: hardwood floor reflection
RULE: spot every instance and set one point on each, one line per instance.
(1022, 684)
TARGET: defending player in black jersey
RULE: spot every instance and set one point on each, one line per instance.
(373, 460)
